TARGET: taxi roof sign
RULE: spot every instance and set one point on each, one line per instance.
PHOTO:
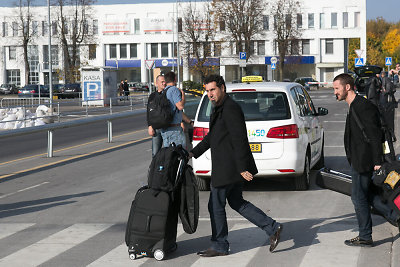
(249, 79)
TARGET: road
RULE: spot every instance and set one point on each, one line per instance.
(71, 210)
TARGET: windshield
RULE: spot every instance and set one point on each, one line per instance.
(256, 106)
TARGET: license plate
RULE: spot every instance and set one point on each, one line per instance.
(255, 148)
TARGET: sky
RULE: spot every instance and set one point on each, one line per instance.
(388, 9)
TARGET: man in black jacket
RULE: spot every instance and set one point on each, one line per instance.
(232, 164)
(363, 145)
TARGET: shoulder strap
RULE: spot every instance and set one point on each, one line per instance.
(360, 125)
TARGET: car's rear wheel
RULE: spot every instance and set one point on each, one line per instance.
(203, 183)
(302, 182)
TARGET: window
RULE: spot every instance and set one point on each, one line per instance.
(217, 49)
(206, 49)
(261, 48)
(33, 62)
(85, 27)
(66, 28)
(329, 46)
(54, 28)
(113, 51)
(12, 53)
(123, 53)
(15, 28)
(265, 23)
(356, 19)
(305, 47)
(345, 19)
(92, 51)
(252, 47)
(54, 56)
(95, 26)
(321, 20)
(45, 28)
(137, 26)
(179, 24)
(299, 21)
(5, 29)
(311, 20)
(133, 50)
(164, 50)
(222, 25)
(154, 50)
(294, 47)
(35, 28)
(14, 77)
(333, 20)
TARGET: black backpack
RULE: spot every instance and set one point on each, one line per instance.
(166, 168)
(159, 113)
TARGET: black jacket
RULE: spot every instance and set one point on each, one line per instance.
(227, 139)
(363, 155)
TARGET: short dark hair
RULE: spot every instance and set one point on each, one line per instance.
(344, 79)
(169, 77)
(219, 80)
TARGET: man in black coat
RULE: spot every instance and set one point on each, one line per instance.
(363, 145)
(232, 164)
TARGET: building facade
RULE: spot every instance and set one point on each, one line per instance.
(129, 36)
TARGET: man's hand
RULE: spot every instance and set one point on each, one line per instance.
(191, 155)
(247, 176)
(151, 131)
(377, 167)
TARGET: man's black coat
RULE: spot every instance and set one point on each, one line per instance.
(363, 155)
(230, 150)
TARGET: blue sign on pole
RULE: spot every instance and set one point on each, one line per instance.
(359, 62)
(273, 66)
(388, 61)
(242, 55)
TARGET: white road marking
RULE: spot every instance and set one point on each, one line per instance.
(22, 190)
(7, 229)
(334, 121)
(119, 256)
(53, 245)
(329, 250)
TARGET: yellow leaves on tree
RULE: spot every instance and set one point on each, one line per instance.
(391, 42)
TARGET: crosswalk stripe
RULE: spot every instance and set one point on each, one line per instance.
(7, 229)
(248, 244)
(53, 245)
(119, 256)
(328, 249)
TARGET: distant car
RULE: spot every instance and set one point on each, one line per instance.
(8, 88)
(308, 82)
(284, 130)
(363, 75)
(57, 89)
(32, 90)
(70, 90)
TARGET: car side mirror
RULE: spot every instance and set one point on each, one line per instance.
(322, 111)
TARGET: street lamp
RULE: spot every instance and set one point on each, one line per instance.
(50, 61)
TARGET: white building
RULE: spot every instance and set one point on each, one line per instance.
(125, 35)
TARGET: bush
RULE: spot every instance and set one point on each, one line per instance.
(192, 85)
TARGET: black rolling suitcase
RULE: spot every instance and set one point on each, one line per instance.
(335, 181)
(153, 219)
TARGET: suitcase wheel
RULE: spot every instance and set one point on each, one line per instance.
(159, 254)
(132, 256)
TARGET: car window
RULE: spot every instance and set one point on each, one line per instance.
(256, 106)
(310, 105)
(306, 106)
(299, 108)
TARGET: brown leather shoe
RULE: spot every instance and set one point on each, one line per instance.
(211, 253)
(274, 239)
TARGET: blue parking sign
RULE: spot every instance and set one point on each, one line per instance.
(242, 55)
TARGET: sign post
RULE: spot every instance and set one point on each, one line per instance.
(150, 65)
(274, 60)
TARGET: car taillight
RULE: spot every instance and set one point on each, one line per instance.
(19, 92)
(32, 91)
(284, 132)
(199, 133)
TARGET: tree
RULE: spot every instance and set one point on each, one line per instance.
(23, 27)
(243, 20)
(73, 16)
(354, 43)
(287, 34)
(198, 32)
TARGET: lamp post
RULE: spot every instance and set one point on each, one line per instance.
(50, 61)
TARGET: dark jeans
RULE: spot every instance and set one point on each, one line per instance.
(359, 196)
(156, 142)
(219, 225)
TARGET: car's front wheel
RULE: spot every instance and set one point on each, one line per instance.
(302, 182)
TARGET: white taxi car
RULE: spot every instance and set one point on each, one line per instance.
(285, 134)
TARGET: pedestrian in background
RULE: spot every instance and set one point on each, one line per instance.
(232, 164)
(121, 90)
(126, 89)
(394, 75)
(364, 156)
(388, 102)
(156, 133)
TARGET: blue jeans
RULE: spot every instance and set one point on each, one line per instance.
(361, 202)
(156, 143)
(219, 225)
(173, 134)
